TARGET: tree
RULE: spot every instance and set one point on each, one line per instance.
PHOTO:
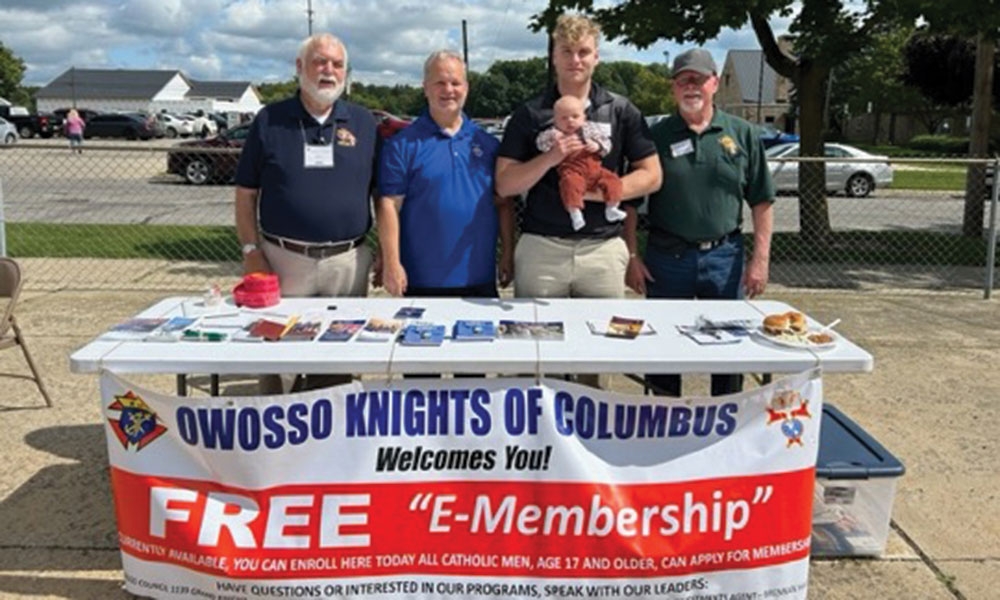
(979, 21)
(11, 74)
(825, 33)
(874, 78)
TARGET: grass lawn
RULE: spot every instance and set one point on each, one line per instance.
(919, 177)
(219, 244)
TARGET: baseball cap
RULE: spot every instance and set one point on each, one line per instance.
(698, 60)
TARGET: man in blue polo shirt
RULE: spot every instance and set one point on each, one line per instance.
(303, 187)
(304, 181)
(438, 216)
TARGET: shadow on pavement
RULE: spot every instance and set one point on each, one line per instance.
(62, 507)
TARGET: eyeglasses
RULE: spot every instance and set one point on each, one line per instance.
(695, 79)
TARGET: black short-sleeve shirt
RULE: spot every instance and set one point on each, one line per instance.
(630, 142)
(314, 204)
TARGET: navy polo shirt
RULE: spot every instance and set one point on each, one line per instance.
(448, 221)
(544, 213)
(316, 204)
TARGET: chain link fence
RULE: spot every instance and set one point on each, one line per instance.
(125, 215)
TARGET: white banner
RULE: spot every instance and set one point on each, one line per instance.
(465, 488)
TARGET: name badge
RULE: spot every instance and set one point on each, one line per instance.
(681, 148)
(318, 156)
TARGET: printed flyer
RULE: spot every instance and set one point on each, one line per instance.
(464, 488)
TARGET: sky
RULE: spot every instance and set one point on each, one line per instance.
(256, 40)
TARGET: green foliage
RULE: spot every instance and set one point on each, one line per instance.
(11, 74)
(504, 86)
(940, 144)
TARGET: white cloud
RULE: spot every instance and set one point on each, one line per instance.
(256, 40)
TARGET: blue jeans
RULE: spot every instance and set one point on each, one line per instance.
(686, 273)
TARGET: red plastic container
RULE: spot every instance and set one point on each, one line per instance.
(257, 290)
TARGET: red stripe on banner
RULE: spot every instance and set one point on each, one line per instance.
(502, 528)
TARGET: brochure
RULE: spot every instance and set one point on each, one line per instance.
(302, 331)
(621, 327)
(409, 312)
(341, 330)
(469, 331)
(531, 330)
(423, 334)
(379, 330)
(133, 329)
(709, 337)
(172, 330)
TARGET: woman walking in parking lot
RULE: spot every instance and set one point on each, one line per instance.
(74, 130)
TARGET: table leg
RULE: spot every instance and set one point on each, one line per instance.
(182, 384)
(213, 385)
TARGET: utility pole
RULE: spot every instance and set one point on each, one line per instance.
(309, 13)
(72, 84)
(465, 44)
(760, 85)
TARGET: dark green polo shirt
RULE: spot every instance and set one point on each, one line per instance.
(707, 177)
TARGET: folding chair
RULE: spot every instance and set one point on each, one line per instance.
(10, 333)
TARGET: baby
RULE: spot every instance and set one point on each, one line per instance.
(582, 172)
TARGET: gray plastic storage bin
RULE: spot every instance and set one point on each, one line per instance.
(855, 486)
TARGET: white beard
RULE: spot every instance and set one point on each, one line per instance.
(325, 96)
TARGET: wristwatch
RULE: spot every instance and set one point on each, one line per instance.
(248, 248)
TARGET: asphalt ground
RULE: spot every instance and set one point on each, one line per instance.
(931, 400)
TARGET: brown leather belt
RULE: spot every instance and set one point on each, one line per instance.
(323, 250)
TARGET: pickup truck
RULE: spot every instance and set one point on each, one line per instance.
(29, 125)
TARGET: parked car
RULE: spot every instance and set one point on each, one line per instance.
(198, 168)
(387, 123)
(201, 124)
(853, 178)
(174, 126)
(772, 136)
(8, 133)
(85, 113)
(125, 126)
(30, 124)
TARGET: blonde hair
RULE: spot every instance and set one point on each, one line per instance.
(571, 29)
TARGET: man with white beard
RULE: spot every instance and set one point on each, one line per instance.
(304, 183)
(712, 163)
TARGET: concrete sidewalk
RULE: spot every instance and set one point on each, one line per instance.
(930, 401)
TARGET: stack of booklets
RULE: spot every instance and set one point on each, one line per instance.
(341, 330)
(531, 330)
(474, 331)
(422, 334)
(380, 330)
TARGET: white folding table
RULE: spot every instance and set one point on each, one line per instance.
(581, 351)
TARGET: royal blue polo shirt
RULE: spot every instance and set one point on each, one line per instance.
(448, 221)
(316, 204)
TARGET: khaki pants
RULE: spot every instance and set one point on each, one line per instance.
(345, 274)
(550, 267)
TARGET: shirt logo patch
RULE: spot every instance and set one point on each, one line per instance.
(729, 145)
(346, 138)
(477, 151)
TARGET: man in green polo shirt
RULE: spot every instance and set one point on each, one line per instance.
(712, 163)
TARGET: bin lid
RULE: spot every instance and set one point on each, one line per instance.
(846, 451)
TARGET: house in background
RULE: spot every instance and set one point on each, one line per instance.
(749, 88)
(126, 90)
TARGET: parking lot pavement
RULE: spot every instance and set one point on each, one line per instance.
(931, 400)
